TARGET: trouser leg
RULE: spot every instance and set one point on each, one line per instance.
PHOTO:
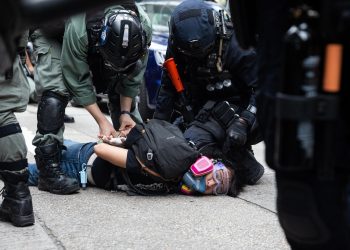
(16, 206)
(313, 213)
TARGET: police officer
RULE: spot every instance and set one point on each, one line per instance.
(308, 146)
(212, 68)
(16, 205)
(102, 51)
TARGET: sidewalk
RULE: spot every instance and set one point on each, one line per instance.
(98, 219)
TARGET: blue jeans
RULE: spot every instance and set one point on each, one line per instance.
(72, 161)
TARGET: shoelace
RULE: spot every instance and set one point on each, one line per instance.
(56, 169)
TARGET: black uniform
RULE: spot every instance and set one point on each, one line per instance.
(312, 197)
(215, 71)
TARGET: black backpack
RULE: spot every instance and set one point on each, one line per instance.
(162, 149)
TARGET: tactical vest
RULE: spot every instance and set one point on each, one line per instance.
(204, 82)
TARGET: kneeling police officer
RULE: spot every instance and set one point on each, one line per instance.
(103, 51)
(219, 80)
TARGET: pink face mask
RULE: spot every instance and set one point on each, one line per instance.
(202, 166)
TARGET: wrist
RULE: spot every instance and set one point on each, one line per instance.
(124, 112)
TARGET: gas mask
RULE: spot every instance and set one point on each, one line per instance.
(195, 179)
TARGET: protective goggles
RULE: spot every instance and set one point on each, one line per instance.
(222, 179)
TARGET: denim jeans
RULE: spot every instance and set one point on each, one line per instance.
(73, 159)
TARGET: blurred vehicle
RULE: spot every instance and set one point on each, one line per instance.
(159, 13)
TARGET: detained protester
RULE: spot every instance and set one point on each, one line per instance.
(115, 163)
(100, 51)
(216, 90)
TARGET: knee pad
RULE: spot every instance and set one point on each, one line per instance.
(298, 214)
(51, 112)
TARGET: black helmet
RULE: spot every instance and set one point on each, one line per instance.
(192, 29)
(122, 40)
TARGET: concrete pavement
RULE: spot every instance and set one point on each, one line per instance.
(98, 219)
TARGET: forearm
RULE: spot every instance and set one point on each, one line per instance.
(125, 103)
(96, 113)
(115, 155)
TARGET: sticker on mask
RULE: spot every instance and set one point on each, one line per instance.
(202, 166)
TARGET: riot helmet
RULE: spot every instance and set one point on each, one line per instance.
(122, 40)
(196, 27)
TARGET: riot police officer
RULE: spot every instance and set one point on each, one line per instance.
(16, 205)
(212, 68)
(303, 95)
(101, 51)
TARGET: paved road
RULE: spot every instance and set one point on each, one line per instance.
(97, 219)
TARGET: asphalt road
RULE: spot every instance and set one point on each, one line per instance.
(98, 219)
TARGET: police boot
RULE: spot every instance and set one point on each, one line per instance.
(68, 119)
(251, 170)
(17, 204)
(51, 178)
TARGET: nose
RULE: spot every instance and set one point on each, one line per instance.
(211, 183)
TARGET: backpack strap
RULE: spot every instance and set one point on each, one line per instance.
(153, 173)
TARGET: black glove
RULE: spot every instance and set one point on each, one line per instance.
(236, 134)
(237, 131)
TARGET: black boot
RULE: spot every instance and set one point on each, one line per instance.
(17, 204)
(68, 119)
(251, 170)
(51, 178)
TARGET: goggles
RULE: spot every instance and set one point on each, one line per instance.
(221, 177)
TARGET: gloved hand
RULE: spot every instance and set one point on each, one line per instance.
(236, 134)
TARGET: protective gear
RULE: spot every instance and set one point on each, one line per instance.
(236, 134)
(194, 183)
(202, 166)
(195, 178)
(238, 130)
(122, 40)
(17, 204)
(211, 28)
(51, 178)
(192, 42)
(51, 112)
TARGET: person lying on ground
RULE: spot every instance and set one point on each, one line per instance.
(104, 165)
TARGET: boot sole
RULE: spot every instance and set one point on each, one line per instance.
(67, 190)
(18, 221)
